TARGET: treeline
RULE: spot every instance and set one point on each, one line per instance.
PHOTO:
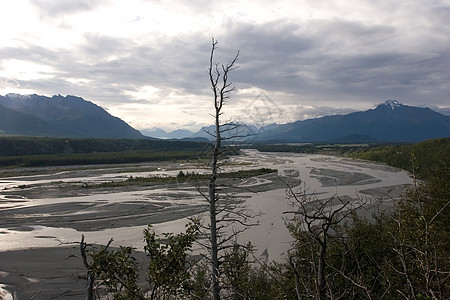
(21, 145)
(98, 158)
(43, 151)
(422, 158)
(310, 148)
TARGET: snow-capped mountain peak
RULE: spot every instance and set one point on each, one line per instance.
(392, 104)
(18, 96)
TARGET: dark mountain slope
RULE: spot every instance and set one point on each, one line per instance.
(13, 122)
(68, 116)
(388, 122)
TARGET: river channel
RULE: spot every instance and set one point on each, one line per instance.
(41, 211)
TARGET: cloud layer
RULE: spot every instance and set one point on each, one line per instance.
(146, 61)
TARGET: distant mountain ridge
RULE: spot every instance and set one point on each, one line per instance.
(59, 116)
(390, 121)
(71, 116)
(162, 134)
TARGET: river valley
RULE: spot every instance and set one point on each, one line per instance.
(42, 216)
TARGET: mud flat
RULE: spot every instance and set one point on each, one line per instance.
(42, 217)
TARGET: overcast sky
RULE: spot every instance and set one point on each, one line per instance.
(146, 61)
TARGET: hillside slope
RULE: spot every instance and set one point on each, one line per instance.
(388, 122)
(60, 116)
(422, 158)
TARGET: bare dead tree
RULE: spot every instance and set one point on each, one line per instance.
(318, 216)
(90, 276)
(225, 211)
(221, 93)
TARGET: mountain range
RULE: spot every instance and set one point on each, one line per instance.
(59, 116)
(390, 121)
(71, 116)
(162, 134)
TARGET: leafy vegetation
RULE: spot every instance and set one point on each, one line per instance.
(168, 261)
(400, 255)
(421, 158)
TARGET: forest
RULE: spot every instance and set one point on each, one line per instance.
(422, 159)
(43, 151)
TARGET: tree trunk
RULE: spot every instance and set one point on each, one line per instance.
(90, 279)
(212, 210)
(220, 91)
(321, 280)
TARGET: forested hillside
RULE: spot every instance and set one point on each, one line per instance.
(421, 158)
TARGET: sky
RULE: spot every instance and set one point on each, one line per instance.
(146, 61)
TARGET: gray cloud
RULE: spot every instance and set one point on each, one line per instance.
(53, 8)
(31, 53)
(341, 59)
(315, 60)
(274, 57)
